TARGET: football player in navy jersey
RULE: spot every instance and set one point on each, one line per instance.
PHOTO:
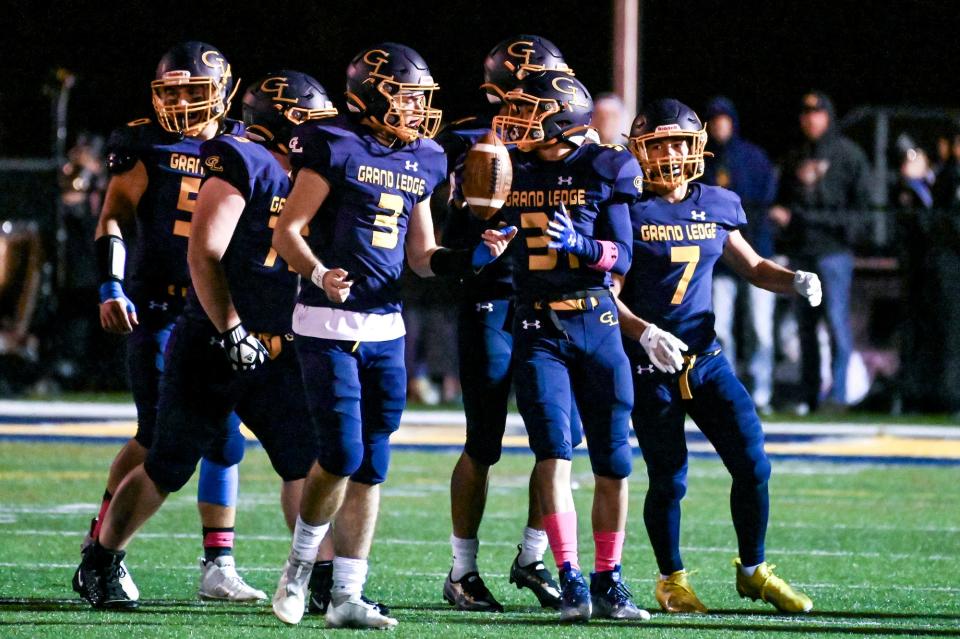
(680, 229)
(571, 201)
(155, 173)
(361, 196)
(232, 348)
(484, 347)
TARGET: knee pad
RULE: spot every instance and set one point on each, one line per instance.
(668, 488)
(486, 446)
(169, 474)
(614, 464)
(375, 464)
(234, 444)
(218, 484)
(338, 459)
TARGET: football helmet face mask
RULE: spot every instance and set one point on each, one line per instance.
(277, 102)
(391, 86)
(193, 87)
(668, 140)
(545, 108)
(514, 59)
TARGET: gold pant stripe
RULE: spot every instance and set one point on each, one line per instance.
(580, 304)
(685, 391)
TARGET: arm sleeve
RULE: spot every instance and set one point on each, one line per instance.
(614, 228)
(223, 160)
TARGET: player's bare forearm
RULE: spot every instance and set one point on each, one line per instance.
(210, 284)
(771, 276)
(421, 242)
(630, 325)
(308, 194)
(120, 201)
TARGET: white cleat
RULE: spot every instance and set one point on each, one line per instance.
(290, 598)
(219, 580)
(126, 582)
(356, 613)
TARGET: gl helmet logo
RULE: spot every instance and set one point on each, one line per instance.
(376, 58)
(534, 325)
(565, 84)
(275, 86)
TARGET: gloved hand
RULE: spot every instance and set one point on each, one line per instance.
(808, 285)
(565, 237)
(663, 348)
(494, 243)
(244, 351)
(117, 313)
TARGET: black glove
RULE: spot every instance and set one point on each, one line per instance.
(244, 351)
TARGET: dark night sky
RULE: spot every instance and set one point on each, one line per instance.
(762, 54)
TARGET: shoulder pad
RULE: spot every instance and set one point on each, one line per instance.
(128, 142)
(232, 127)
(608, 159)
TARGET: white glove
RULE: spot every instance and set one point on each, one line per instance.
(663, 349)
(808, 285)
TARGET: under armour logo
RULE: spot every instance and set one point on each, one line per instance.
(485, 306)
(644, 369)
(564, 180)
(702, 215)
(215, 341)
(528, 325)
(411, 166)
(161, 305)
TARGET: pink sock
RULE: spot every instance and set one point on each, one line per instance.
(562, 532)
(95, 533)
(609, 549)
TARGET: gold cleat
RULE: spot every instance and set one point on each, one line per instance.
(767, 586)
(675, 594)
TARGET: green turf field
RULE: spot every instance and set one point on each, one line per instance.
(877, 547)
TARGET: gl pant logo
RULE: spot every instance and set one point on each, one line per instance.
(702, 215)
(410, 166)
(155, 305)
(485, 306)
(644, 369)
(608, 319)
(564, 180)
(528, 325)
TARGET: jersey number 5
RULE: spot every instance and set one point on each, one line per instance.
(690, 255)
(187, 202)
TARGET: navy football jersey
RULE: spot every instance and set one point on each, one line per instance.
(588, 181)
(462, 229)
(362, 225)
(262, 286)
(158, 260)
(675, 247)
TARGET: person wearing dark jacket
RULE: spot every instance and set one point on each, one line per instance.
(745, 169)
(824, 185)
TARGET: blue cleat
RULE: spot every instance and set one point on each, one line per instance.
(611, 597)
(575, 605)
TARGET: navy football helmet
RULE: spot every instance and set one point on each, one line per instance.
(277, 102)
(193, 87)
(391, 86)
(514, 59)
(546, 107)
(662, 119)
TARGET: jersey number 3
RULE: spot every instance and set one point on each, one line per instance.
(392, 204)
(690, 255)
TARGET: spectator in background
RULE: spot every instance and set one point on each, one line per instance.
(610, 118)
(824, 185)
(745, 169)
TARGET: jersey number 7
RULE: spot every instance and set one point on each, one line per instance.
(690, 255)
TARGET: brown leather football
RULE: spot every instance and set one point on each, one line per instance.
(487, 175)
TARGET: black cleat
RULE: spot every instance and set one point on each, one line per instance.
(537, 578)
(98, 579)
(321, 583)
(470, 593)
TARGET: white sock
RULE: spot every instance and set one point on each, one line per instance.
(749, 570)
(306, 540)
(664, 577)
(349, 575)
(464, 556)
(534, 546)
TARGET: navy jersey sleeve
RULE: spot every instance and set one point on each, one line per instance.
(618, 166)
(312, 146)
(221, 158)
(435, 167)
(126, 144)
(734, 216)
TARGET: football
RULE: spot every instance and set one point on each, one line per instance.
(487, 175)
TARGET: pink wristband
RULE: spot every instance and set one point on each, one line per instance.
(608, 256)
